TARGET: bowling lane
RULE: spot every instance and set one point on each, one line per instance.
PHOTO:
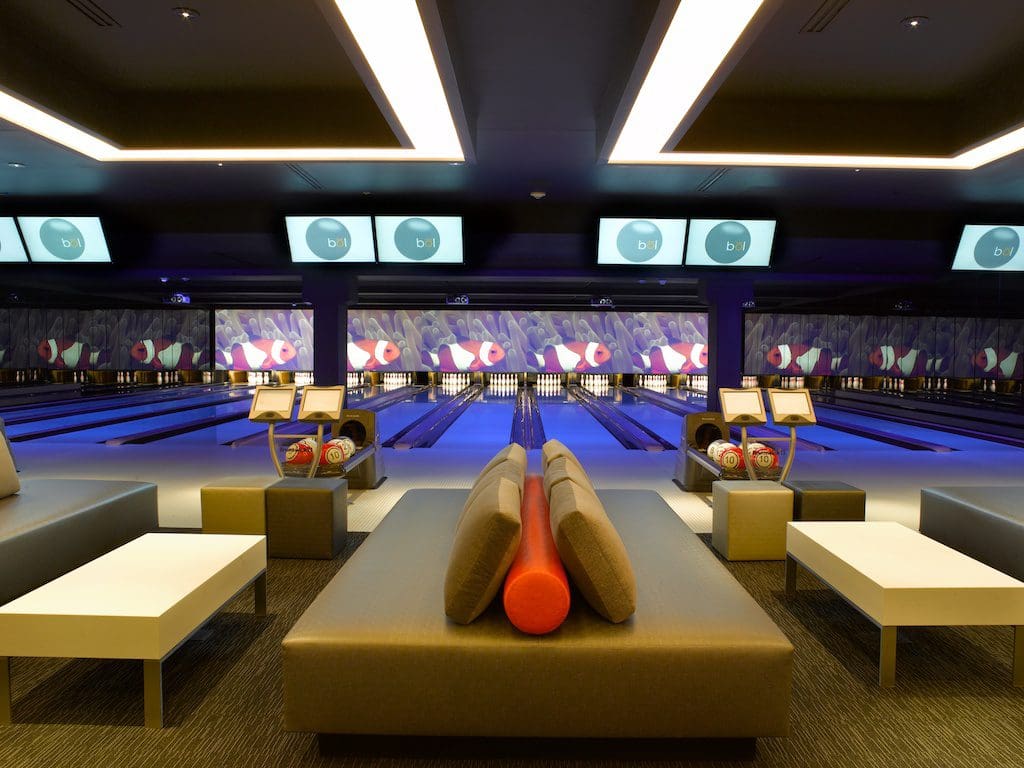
(486, 424)
(128, 413)
(241, 428)
(665, 424)
(830, 438)
(396, 417)
(89, 403)
(564, 419)
(162, 421)
(954, 441)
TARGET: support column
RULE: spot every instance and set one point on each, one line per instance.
(329, 295)
(725, 297)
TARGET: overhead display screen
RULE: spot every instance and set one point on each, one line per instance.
(989, 248)
(419, 239)
(655, 242)
(11, 249)
(68, 238)
(333, 239)
(729, 243)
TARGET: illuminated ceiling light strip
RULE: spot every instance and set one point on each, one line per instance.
(994, 149)
(394, 42)
(292, 155)
(700, 36)
(769, 159)
(33, 119)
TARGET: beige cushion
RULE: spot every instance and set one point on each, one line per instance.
(553, 449)
(506, 469)
(592, 551)
(513, 452)
(485, 545)
(9, 484)
(561, 469)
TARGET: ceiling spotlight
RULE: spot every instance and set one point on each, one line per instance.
(186, 14)
(14, 164)
(538, 194)
(164, 279)
(914, 22)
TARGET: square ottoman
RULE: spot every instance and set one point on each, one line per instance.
(826, 500)
(749, 519)
(307, 517)
(236, 505)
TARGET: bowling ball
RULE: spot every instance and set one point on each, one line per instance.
(417, 239)
(727, 242)
(331, 453)
(996, 247)
(347, 445)
(731, 458)
(763, 456)
(299, 453)
(62, 238)
(715, 447)
(639, 241)
(328, 238)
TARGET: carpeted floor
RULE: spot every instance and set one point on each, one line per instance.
(953, 704)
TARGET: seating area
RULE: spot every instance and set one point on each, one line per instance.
(689, 663)
(49, 527)
(668, 639)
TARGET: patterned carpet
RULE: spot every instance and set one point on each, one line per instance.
(953, 704)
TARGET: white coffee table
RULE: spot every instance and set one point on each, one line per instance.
(141, 601)
(898, 577)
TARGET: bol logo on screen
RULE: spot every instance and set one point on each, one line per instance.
(417, 239)
(639, 241)
(727, 242)
(328, 238)
(62, 238)
(996, 247)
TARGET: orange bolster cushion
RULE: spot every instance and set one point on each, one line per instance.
(536, 593)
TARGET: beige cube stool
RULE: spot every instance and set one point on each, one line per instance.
(236, 505)
(307, 517)
(749, 519)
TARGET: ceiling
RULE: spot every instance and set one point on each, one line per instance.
(539, 83)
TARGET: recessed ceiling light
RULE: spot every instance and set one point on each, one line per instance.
(914, 22)
(164, 279)
(698, 39)
(15, 164)
(538, 194)
(392, 38)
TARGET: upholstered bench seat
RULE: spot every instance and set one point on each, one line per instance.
(983, 522)
(53, 526)
(375, 654)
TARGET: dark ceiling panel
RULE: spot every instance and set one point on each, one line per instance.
(865, 84)
(247, 73)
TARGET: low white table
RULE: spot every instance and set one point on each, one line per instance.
(898, 577)
(141, 601)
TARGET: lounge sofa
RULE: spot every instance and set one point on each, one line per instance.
(375, 654)
(49, 527)
(983, 522)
